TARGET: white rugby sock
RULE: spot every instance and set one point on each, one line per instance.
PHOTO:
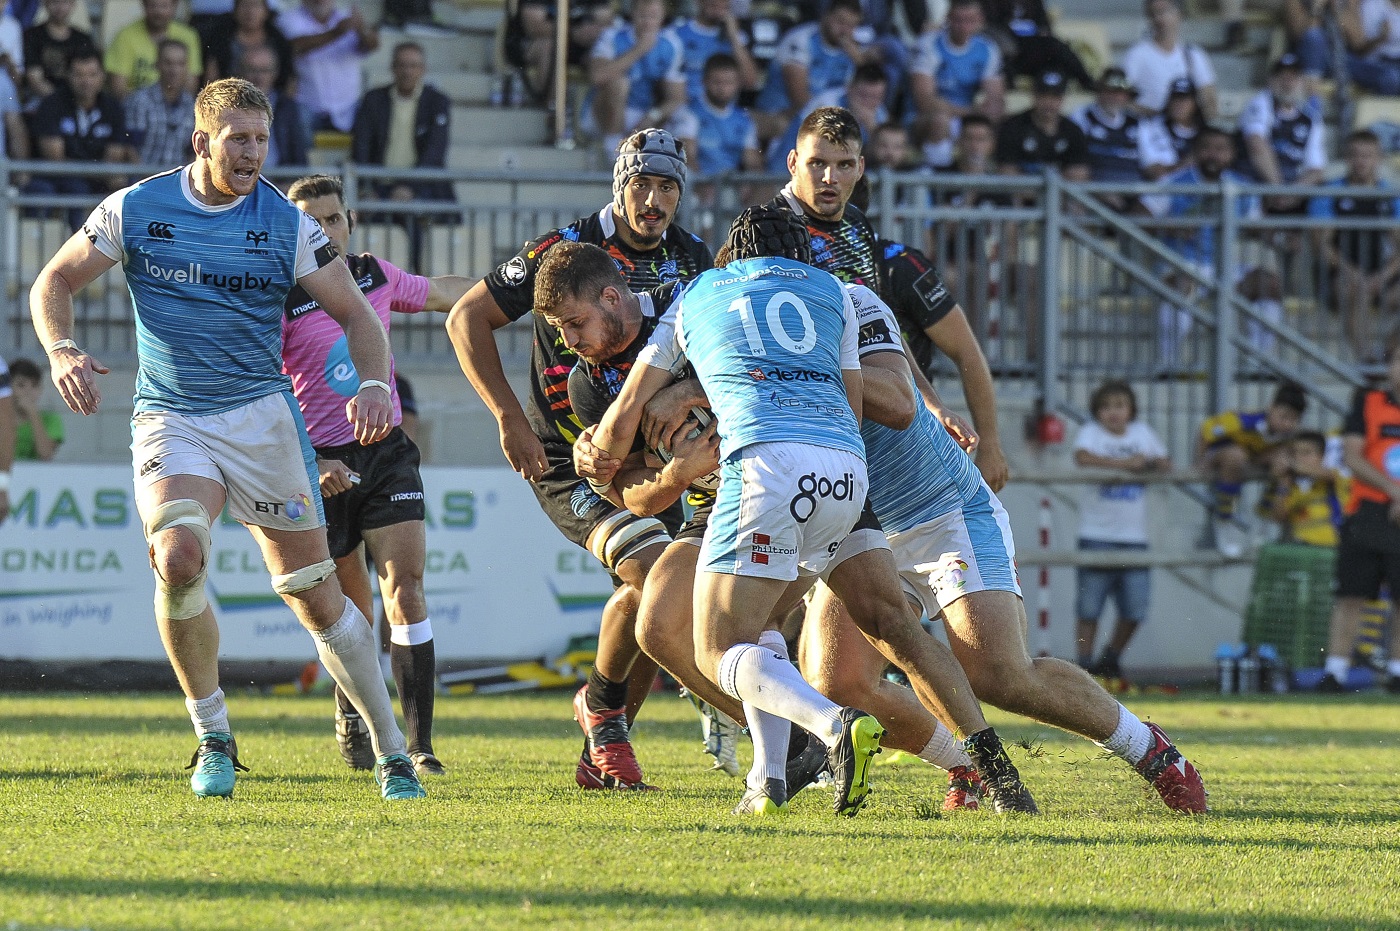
(944, 750)
(349, 650)
(769, 732)
(1130, 740)
(1393, 668)
(209, 714)
(411, 635)
(757, 675)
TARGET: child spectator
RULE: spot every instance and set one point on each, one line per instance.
(1308, 495)
(1370, 535)
(37, 433)
(1236, 446)
(1176, 129)
(718, 134)
(1113, 518)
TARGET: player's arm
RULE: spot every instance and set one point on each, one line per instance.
(669, 411)
(371, 409)
(954, 338)
(618, 429)
(886, 390)
(646, 490)
(444, 291)
(78, 263)
(471, 326)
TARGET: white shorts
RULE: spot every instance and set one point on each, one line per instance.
(782, 510)
(259, 452)
(965, 551)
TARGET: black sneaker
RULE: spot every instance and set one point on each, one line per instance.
(1329, 685)
(1106, 667)
(426, 764)
(352, 736)
(850, 760)
(1000, 781)
(806, 760)
(1393, 685)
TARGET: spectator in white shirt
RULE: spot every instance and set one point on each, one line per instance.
(1156, 61)
(330, 43)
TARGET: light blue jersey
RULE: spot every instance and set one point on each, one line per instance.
(722, 135)
(208, 286)
(827, 67)
(769, 339)
(957, 73)
(698, 43)
(919, 474)
(663, 63)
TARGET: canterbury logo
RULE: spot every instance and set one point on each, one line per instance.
(158, 230)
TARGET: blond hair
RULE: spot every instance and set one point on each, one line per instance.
(227, 94)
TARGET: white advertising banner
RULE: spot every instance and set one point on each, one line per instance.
(76, 583)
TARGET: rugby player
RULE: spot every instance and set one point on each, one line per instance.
(373, 494)
(986, 630)
(637, 231)
(210, 252)
(777, 387)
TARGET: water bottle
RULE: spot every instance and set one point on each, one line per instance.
(1249, 674)
(1273, 677)
(1225, 665)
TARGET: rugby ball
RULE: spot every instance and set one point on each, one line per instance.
(701, 417)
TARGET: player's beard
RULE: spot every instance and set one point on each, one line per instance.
(615, 330)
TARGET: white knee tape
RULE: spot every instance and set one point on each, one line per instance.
(303, 579)
(623, 534)
(181, 602)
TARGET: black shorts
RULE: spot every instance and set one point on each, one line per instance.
(390, 490)
(576, 509)
(1368, 553)
(693, 530)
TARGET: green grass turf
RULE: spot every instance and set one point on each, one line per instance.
(98, 828)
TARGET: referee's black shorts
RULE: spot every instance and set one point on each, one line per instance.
(1368, 553)
(390, 490)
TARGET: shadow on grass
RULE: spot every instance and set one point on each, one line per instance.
(606, 902)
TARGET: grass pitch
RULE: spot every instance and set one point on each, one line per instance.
(98, 828)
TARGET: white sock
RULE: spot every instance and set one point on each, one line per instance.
(1131, 740)
(349, 650)
(944, 750)
(411, 635)
(760, 677)
(769, 732)
(209, 714)
(1393, 667)
(1339, 667)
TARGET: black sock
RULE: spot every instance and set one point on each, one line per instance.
(604, 694)
(415, 674)
(343, 705)
(1109, 655)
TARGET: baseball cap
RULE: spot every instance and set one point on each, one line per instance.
(1116, 79)
(1050, 82)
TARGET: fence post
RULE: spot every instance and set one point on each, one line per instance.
(8, 216)
(1049, 360)
(1226, 324)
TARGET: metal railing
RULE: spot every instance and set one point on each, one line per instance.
(1062, 289)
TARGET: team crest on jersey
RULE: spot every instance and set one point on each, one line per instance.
(668, 271)
(583, 499)
(514, 271)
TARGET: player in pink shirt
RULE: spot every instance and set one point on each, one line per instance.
(373, 494)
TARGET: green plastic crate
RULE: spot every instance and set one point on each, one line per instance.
(1290, 601)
